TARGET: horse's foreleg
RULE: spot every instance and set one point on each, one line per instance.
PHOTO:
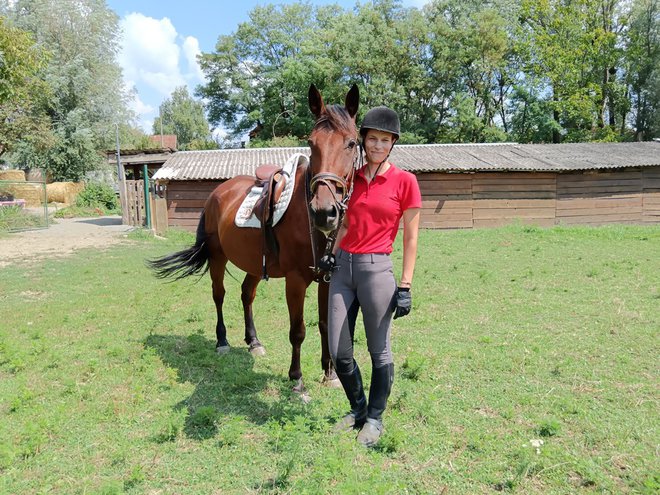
(217, 272)
(248, 292)
(330, 378)
(295, 299)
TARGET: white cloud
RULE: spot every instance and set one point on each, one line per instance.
(150, 54)
(137, 105)
(155, 60)
(191, 51)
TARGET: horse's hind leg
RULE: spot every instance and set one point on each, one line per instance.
(248, 292)
(217, 271)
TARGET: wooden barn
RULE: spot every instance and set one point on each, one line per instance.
(469, 186)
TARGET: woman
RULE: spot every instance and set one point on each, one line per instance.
(363, 277)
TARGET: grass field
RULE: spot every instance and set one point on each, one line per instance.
(528, 365)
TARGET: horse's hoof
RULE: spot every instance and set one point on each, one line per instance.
(222, 349)
(257, 350)
(331, 382)
(300, 392)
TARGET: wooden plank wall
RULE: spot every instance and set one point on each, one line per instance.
(503, 198)
(185, 201)
(476, 200)
(651, 195)
(446, 201)
(598, 198)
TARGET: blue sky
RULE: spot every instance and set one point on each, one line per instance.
(161, 40)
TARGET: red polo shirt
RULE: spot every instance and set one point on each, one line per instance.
(375, 210)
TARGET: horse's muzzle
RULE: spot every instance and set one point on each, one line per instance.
(325, 219)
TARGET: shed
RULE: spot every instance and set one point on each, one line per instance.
(469, 185)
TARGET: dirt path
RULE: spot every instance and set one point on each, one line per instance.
(62, 238)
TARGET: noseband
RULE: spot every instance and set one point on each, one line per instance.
(329, 179)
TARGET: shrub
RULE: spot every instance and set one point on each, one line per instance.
(96, 195)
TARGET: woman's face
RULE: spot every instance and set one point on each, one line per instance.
(377, 145)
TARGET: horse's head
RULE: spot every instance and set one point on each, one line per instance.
(334, 147)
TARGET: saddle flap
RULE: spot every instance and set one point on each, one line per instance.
(263, 172)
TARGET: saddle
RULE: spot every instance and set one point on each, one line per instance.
(271, 179)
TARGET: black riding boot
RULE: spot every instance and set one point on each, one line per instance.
(352, 383)
(379, 392)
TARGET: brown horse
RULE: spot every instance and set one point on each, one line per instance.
(314, 211)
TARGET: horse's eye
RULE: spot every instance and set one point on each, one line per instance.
(351, 144)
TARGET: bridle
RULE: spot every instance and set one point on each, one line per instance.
(329, 180)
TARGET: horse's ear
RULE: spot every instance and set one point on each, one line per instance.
(315, 101)
(353, 100)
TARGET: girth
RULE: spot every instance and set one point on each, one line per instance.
(272, 179)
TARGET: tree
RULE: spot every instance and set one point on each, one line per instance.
(472, 69)
(22, 92)
(457, 70)
(184, 116)
(87, 91)
(643, 68)
(257, 73)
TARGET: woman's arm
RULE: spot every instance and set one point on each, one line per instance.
(410, 231)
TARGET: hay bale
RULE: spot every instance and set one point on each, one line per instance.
(64, 192)
(37, 175)
(12, 175)
(33, 194)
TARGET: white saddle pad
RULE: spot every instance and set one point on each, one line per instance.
(244, 216)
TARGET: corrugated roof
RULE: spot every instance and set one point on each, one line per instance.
(224, 164)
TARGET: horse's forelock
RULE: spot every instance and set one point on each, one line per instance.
(336, 118)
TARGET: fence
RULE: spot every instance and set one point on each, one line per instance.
(23, 205)
(133, 207)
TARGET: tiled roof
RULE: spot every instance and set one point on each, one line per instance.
(224, 164)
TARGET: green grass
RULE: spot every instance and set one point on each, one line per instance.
(109, 382)
(16, 218)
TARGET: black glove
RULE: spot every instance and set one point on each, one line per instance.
(403, 302)
(327, 263)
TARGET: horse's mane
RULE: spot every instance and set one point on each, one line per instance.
(335, 118)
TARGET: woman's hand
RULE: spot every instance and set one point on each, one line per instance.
(403, 302)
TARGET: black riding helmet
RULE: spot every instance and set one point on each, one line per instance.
(381, 119)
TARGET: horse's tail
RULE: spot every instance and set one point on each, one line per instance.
(187, 262)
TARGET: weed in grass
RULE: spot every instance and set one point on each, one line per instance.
(135, 477)
(169, 432)
(231, 431)
(391, 441)
(651, 485)
(202, 423)
(414, 366)
(194, 316)
(22, 399)
(549, 428)
(111, 488)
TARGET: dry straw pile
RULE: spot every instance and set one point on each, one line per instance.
(33, 194)
(12, 175)
(64, 192)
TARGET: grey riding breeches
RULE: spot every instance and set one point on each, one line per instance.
(366, 280)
